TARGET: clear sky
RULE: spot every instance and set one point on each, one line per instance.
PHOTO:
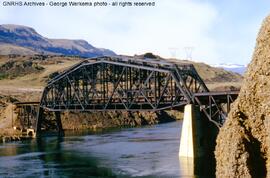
(219, 31)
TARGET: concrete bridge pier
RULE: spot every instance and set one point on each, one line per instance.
(192, 133)
(198, 139)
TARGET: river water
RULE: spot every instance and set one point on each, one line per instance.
(150, 151)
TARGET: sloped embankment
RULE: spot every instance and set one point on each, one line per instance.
(8, 120)
(243, 142)
(13, 69)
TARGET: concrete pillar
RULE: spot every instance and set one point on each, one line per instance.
(198, 140)
(193, 133)
(186, 141)
(186, 166)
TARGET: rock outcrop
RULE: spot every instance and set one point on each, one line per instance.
(243, 142)
(114, 119)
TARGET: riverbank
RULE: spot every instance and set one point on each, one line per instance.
(9, 134)
(92, 121)
(112, 119)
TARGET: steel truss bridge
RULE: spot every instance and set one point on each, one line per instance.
(130, 84)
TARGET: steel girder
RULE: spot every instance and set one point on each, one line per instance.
(216, 105)
(27, 114)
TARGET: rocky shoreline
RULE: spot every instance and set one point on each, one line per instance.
(9, 134)
(92, 121)
(96, 122)
(5, 139)
(114, 119)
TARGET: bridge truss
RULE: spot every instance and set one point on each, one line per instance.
(129, 84)
(111, 83)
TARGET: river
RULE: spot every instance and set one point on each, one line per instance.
(149, 151)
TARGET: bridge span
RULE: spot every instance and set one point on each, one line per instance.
(128, 84)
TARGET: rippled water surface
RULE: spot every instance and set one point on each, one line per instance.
(150, 151)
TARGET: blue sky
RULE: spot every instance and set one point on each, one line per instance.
(219, 31)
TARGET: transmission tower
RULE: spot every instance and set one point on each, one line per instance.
(189, 50)
(173, 51)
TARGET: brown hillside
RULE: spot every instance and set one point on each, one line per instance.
(7, 49)
(216, 79)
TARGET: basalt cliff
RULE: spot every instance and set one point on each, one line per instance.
(243, 142)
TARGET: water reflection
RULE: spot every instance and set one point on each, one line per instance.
(46, 158)
(186, 166)
(131, 152)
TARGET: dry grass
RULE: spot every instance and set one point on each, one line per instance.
(212, 74)
(13, 49)
(37, 80)
(29, 87)
(9, 132)
(224, 86)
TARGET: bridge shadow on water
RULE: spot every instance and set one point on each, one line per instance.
(70, 164)
(204, 167)
(151, 151)
(46, 158)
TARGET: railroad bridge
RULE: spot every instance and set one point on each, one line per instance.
(128, 84)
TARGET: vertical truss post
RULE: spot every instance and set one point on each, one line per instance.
(210, 106)
(40, 118)
(228, 104)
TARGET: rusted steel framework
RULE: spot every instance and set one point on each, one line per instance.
(215, 105)
(129, 84)
(122, 84)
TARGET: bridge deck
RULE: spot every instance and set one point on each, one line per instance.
(221, 97)
(27, 103)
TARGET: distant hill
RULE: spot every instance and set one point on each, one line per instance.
(16, 39)
(216, 78)
(207, 72)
